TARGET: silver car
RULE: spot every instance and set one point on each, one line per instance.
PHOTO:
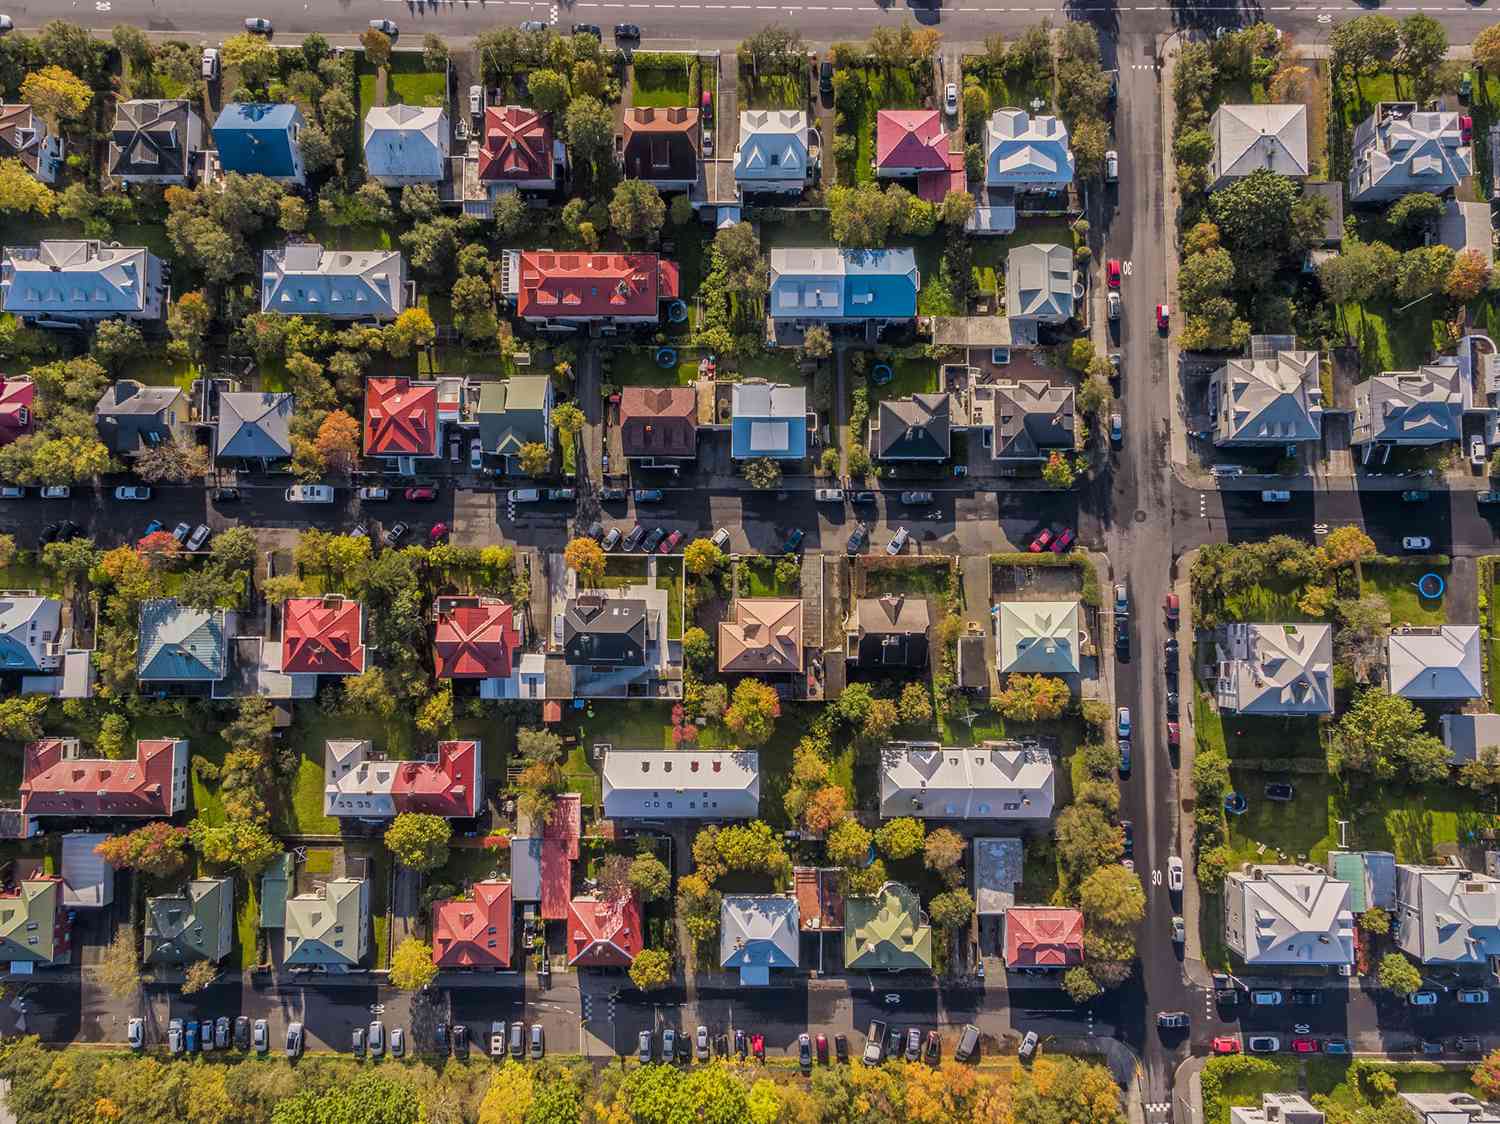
(377, 1039)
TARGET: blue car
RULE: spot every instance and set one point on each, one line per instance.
(648, 495)
(1124, 756)
(1335, 1046)
(191, 1035)
(793, 541)
(152, 527)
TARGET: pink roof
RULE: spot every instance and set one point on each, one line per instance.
(448, 787)
(604, 934)
(559, 852)
(578, 285)
(475, 639)
(400, 418)
(517, 145)
(54, 785)
(17, 415)
(910, 138)
(935, 186)
(322, 636)
(1039, 937)
(473, 934)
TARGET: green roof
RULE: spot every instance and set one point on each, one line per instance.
(888, 932)
(329, 928)
(197, 924)
(1350, 867)
(513, 413)
(36, 902)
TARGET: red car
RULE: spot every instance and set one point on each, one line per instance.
(758, 1046)
(1039, 544)
(1163, 317)
(1304, 1045)
(1063, 541)
(1174, 734)
(1466, 129)
(1112, 272)
(669, 543)
(420, 495)
(822, 1041)
(1225, 1045)
(1172, 606)
(438, 533)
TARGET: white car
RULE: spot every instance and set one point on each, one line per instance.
(199, 537)
(1111, 166)
(476, 454)
(136, 1033)
(1122, 722)
(1114, 306)
(1416, 542)
(898, 544)
(721, 538)
(1473, 995)
(1174, 874)
(309, 493)
(56, 492)
(374, 495)
(1477, 451)
(950, 99)
(1179, 930)
(828, 495)
(132, 492)
(210, 63)
(258, 24)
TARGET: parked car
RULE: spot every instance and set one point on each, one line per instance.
(12, 492)
(668, 1044)
(182, 531)
(1423, 999)
(1163, 318)
(242, 1032)
(398, 1042)
(1063, 540)
(741, 1044)
(260, 1036)
(1264, 1044)
(648, 495)
(377, 1039)
(1028, 1046)
(1487, 497)
(309, 493)
(1111, 166)
(293, 1040)
(898, 544)
(859, 539)
(950, 99)
(841, 1048)
(1172, 608)
(1416, 543)
(135, 1032)
(1336, 1046)
(259, 25)
(633, 539)
(174, 1037)
(440, 1038)
(669, 543)
(1112, 305)
(359, 1041)
(1116, 429)
(700, 1041)
(913, 1044)
(828, 495)
(1174, 734)
(914, 498)
(588, 29)
(425, 494)
(611, 539)
(1265, 998)
(210, 64)
(646, 1046)
(1122, 722)
(533, 25)
(222, 1031)
(199, 537)
(1467, 1044)
(627, 31)
(1414, 495)
(1473, 995)
(190, 1037)
(825, 77)
(133, 492)
(1276, 495)
(612, 495)
(821, 1045)
(385, 27)
(1122, 600)
(934, 1048)
(861, 497)
(1224, 1044)
(1477, 452)
(517, 1040)
(1172, 1020)
(1174, 874)
(1112, 272)
(1306, 997)
(538, 1042)
(804, 1052)
(497, 1039)
(1041, 542)
(758, 1046)
(653, 540)
(793, 541)
(460, 1040)
(562, 495)
(56, 492)
(395, 533)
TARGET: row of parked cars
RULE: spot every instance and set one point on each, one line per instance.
(190, 1036)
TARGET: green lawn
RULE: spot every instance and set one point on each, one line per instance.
(1299, 829)
(910, 376)
(670, 576)
(319, 860)
(773, 91)
(1241, 1080)
(1397, 583)
(1357, 100)
(467, 865)
(1485, 108)
(26, 572)
(758, 579)
(928, 578)
(1272, 602)
(1246, 737)
(883, 88)
(247, 919)
(357, 238)
(661, 86)
(408, 82)
(1411, 821)
(1391, 341)
(637, 366)
(1017, 92)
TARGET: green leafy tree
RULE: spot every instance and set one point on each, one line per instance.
(548, 89)
(951, 910)
(636, 211)
(753, 710)
(412, 968)
(1080, 986)
(650, 878)
(56, 94)
(916, 704)
(22, 193)
(1112, 895)
(1086, 840)
(651, 969)
(1382, 734)
(1398, 975)
(1375, 920)
(1423, 47)
(1213, 866)
(535, 458)
(1363, 44)
(1033, 698)
(413, 329)
(1058, 471)
(253, 55)
(418, 840)
(241, 843)
(847, 842)
(21, 717)
(589, 126)
(698, 906)
(762, 473)
(1483, 773)
(901, 838)
(702, 556)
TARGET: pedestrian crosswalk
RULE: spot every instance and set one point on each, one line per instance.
(1159, 1108)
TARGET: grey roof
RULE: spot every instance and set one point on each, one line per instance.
(151, 138)
(1466, 226)
(758, 933)
(526, 868)
(303, 279)
(406, 142)
(88, 881)
(995, 780)
(1398, 150)
(915, 428)
(998, 864)
(1466, 734)
(254, 425)
(1277, 1108)
(1422, 407)
(1333, 194)
(1248, 138)
(773, 146)
(329, 928)
(73, 277)
(1282, 915)
(130, 415)
(604, 630)
(1031, 419)
(1435, 663)
(1447, 915)
(512, 413)
(1039, 282)
(27, 623)
(1038, 637)
(180, 644)
(892, 631)
(1269, 401)
(1026, 151)
(195, 924)
(1283, 669)
(681, 784)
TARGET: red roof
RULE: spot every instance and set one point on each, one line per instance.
(559, 852)
(820, 905)
(911, 138)
(1038, 937)
(604, 934)
(517, 145)
(473, 934)
(322, 636)
(54, 783)
(579, 286)
(17, 415)
(401, 418)
(476, 638)
(935, 186)
(551, 712)
(450, 786)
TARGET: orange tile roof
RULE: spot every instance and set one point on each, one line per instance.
(474, 934)
(1039, 937)
(604, 934)
(53, 784)
(474, 639)
(400, 418)
(582, 285)
(322, 636)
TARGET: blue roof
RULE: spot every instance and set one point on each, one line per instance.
(181, 644)
(256, 139)
(880, 283)
(831, 284)
(794, 447)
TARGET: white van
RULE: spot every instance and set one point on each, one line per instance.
(524, 495)
(967, 1043)
(310, 493)
(1276, 496)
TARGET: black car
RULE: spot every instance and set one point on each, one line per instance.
(859, 540)
(1172, 704)
(242, 1032)
(825, 78)
(1170, 648)
(1127, 835)
(226, 495)
(841, 1047)
(440, 1037)
(50, 532)
(460, 1040)
(1306, 997)
(627, 31)
(741, 1047)
(653, 540)
(793, 541)
(395, 533)
(684, 1048)
(69, 531)
(861, 497)
(588, 29)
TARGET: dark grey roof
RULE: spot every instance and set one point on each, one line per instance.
(1333, 225)
(129, 415)
(1032, 418)
(893, 631)
(150, 138)
(915, 428)
(254, 425)
(604, 630)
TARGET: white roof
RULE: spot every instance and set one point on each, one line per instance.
(681, 784)
(1038, 637)
(1437, 663)
(1276, 669)
(1447, 915)
(88, 881)
(996, 780)
(353, 784)
(406, 141)
(304, 279)
(768, 400)
(1250, 137)
(773, 145)
(1269, 401)
(1288, 915)
(76, 276)
(27, 623)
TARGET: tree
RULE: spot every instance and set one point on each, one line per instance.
(337, 442)
(412, 329)
(956, 209)
(1090, 142)
(864, 881)
(156, 849)
(590, 127)
(170, 461)
(1213, 866)
(752, 712)
(1487, 1076)
(880, 720)
(824, 808)
(509, 1096)
(1254, 213)
(762, 473)
(1375, 920)
(847, 842)
(943, 849)
(21, 192)
(535, 458)
(120, 966)
(1112, 895)
(1058, 471)
(253, 55)
(1483, 773)
(1382, 734)
(1360, 640)
(1398, 975)
(1415, 213)
(1486, 49)
(698, 906)
(650, 878)
(585, 558)
(412, 968)
(1421, 272)
(21, 717)
(773, 49)
(57, 94)
(1423, 45)
(539, 745)
(199, 975)
(1086, 840)
(418, 840)
(916, 704)
(702, 557)
(951, 910)
(697, 648)
(816, 342)
(1033, 698)
(636, 211)
(568, 420)
(1080, 986)
(1363, 43)
(651, 969)
(1203, 277)
(239, 842)
(188, 320)
(1469, 276)
(1344, 546)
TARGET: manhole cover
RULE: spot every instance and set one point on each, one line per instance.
(1140, 516)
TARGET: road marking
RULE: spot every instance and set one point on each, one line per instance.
(1320, 528)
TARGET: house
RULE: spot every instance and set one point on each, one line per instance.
(1398, 150)
(130, 416)
(58, 780)
(88, 881)
(477, 638)
(614, 645)
(542, 856)
(401, 419)
(259, 139)
(1038, 638)
(888, 632)
(31, 634)
(995, 780)
(513, 413)
(518, 150)
(681, 784)
(820, 901)
(826, 285)
(919, 428)
(659, 424)
(1267, 401)
(1026, 153)
(571, 290)
(196, 923)
(774, 157)
(155, 141)
(661, 147)
(179, 644)
(1277, 1108)
(24, 136)
(17, 412)
(474, 932)
(998, 866)
(34, 927)
(1446, 914)
(406, 144)
(1414, 408)
(912, 144)
(1370, 875)
(1249, 138)
(762, 636)
(360, 784)
(254, 427)
(1042, 937)
(1038, 289)
(69, 282)
(768, 420)
(887, 932)
(1447, 1108)
(303, 279)
(605, 631)
(1465, 734)
(604, 934)
(1025, 422)
(757, 935)
(1435, 663)
(1280, 669)
(328, 930)
(1276, 916)
(322, 636)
